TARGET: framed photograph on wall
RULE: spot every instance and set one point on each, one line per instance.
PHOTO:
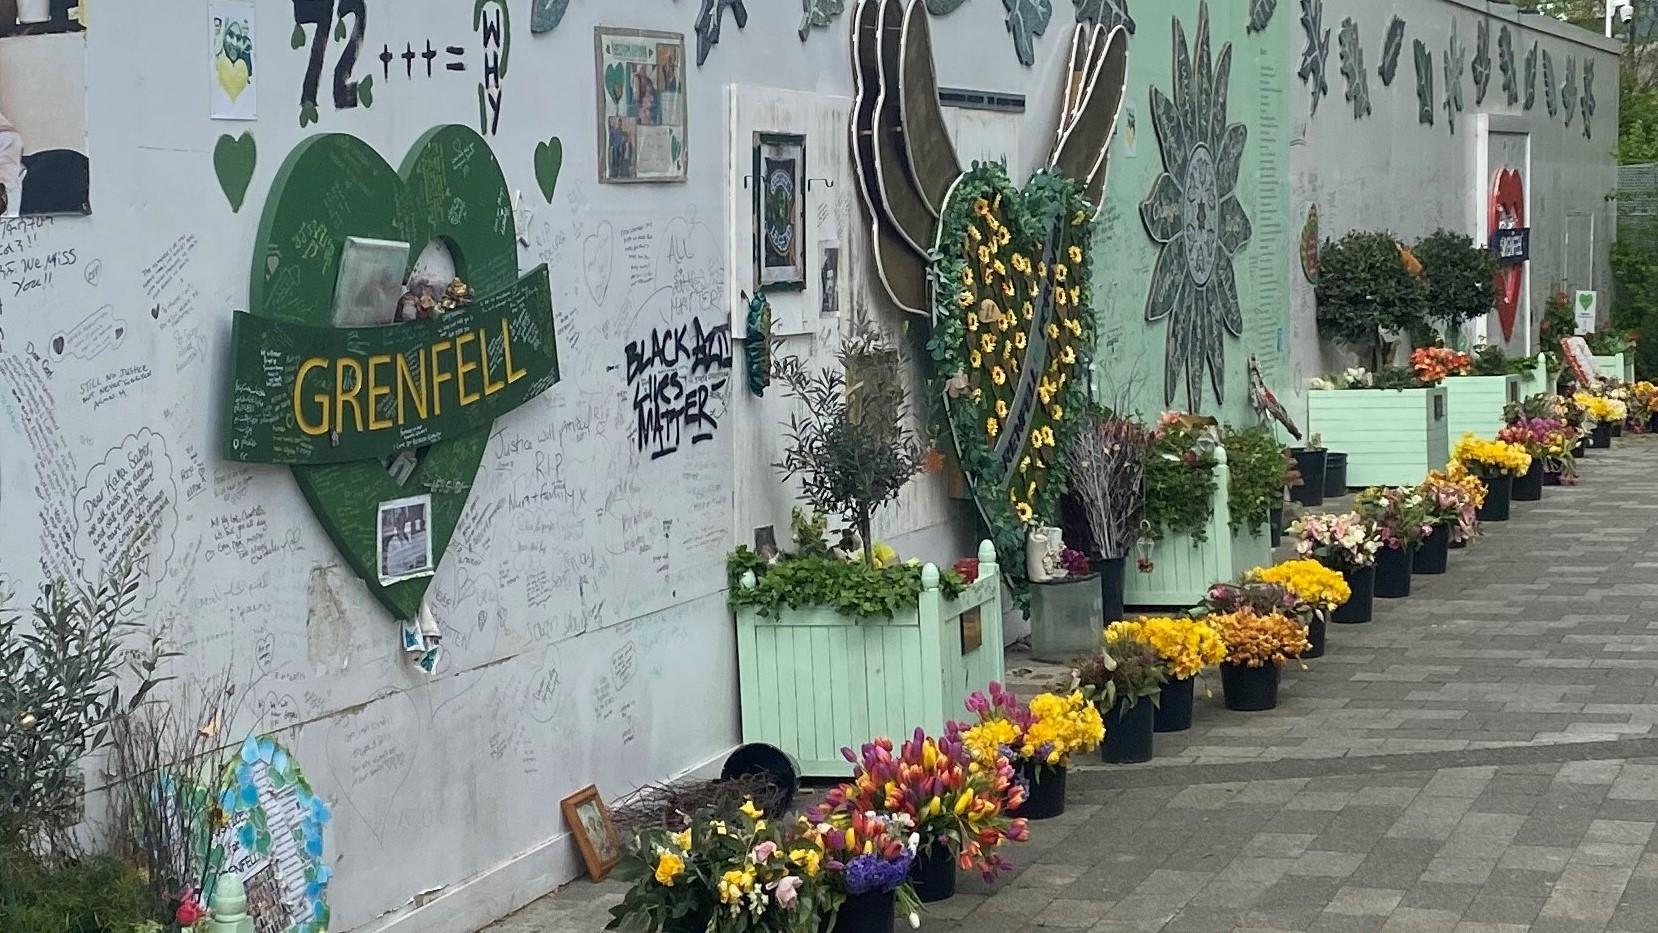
(779, 211)
(641, 105)
(596, 836)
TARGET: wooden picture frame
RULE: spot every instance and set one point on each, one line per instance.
(641, 106)
(586, 815)
(780, 231)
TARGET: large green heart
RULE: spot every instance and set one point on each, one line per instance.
(1013, 337)
(450, 188)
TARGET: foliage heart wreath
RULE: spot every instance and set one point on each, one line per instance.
(1013, 338)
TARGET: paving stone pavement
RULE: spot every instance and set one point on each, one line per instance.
(1480, 759)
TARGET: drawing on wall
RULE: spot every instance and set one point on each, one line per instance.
(545, 15)
(234, 159)
(1568, 90)
(1109, 13)
(1193, 211)
(1260, 14)
(1551, 91)
(1315, 59)
(779, 211)
(328, 18)
(709, 21)
(1586, 103)
(403, 546)
(43, 152)
(1507, 65)
(1424, 82)
(829, 280)
(1531, 76)
(1310, 246)
(1481, 66)
(1027, 19)
(493, 24)
(232, 91)
(642, 129)
(1352, 68)
(273, 840)
(1507, 218)
(1454, 62)
(818, 14)
(1392, 48)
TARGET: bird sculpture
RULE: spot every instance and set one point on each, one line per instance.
(1265, 403)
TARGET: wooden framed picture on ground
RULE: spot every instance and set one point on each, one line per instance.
(589, 821)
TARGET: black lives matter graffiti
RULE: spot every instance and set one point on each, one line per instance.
(679, 377)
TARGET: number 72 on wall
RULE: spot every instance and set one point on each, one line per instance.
(321, 15)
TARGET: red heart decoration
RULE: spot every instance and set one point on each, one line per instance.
(1508, 202)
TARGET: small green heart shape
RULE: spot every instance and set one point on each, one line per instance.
(450, 189)
(234, 159)
(615, 81)
(1586, 300)
(677, 147)
(549, 162)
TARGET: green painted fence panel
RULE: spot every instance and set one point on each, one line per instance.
(1474, 404)
(1392, 437)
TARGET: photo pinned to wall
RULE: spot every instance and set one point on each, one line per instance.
(779, 211)
(642, 125)
(231, 87)
(43, 155)
(829, 276)
(589, 821)
(1129, 134)
(403, 546)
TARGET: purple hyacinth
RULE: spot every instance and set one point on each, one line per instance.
(871, 873)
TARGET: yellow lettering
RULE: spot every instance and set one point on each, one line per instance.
(312, 428)
(506, 352)
(462, 367)
(490, 388)
(406, 381)
(375, 391)
(439, 377)
(344, 396)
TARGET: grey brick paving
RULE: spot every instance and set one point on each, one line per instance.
(1483, 758)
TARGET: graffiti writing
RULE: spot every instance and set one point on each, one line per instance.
(325, 16)
(678, 375)
(429, 57)
(496, 31)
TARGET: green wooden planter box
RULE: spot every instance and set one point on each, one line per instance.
(1182, 570)
(815, 681)
(1393, 437)
(1617, 366)
(1536, 381)
(1475, 404)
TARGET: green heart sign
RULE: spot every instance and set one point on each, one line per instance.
(234, 158)
(1586, 300)
(615, 81)
(549, 162)
(338, 403)
(1012, 337)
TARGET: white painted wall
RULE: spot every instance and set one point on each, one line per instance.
(1389, 172)
(582, 602)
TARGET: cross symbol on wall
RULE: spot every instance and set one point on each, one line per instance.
(429, 55)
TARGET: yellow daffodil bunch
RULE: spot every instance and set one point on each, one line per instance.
(1601, 409)
(1488, 457)
(1643, 399)
(1060, 725)
(1254, 640)
(1310, 582)
(1185, 645)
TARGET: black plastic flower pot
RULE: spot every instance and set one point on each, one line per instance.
(1581, 450)
(1250, 689)
(1393, 573)
(1652, 423)
(1360, 607)
(1617, 429)
(1045, 798)
(1433, 555)
(1529, 488)
(1111, 587)
(933, 873)
(869, 912)
(1128, 734)
(1601, 437)
(1174, 707)
(1275, 519)
(1335, 475)
(1551, 477)
(1499, 492)
(1315, 636)
(1311, 464)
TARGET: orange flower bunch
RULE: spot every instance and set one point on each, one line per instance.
(1433, 364)
(1258, 640)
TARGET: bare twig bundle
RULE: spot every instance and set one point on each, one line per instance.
(1104, 463)
(669, 806)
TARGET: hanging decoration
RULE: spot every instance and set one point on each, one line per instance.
(1352, 68)
(1551, 92)
(1260, 14)
(1316, 57)
(942, 7)
(1454, 61)
(545, 15)
(1424, 82)
(1531, 76)
(818, 14)
(1481, 67)
(1027, 19)
(1568, 90)
(710, 20)
(1392, 48)
(1310, 246)
(757, 347)
(1588, 103)
(272, 839)
(1510, 241)
(1193, 211)
(1506, 64)
(1107, 13)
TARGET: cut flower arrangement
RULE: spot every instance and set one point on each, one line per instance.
(1313, 585)
(1400, 514)
(1121, 675)
(1044, 733)
(1186, 646)
(1602, 409)
(869, 853)
(1546, 439)
(1339, 541)
(1491, 458)
(1454, 498)
(1256, 640)
(1433, 364)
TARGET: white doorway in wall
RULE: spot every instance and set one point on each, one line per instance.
(1578, 252)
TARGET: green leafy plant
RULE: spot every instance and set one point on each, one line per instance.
(1457, 278)
(1395, 377)
(1608, 343)
(95, 895)
(1179, 479)
(1364, 288)
(849, 587)
(1255, 483)
(1489, 361)
(808, 529)
(1124, 673)
(852, 449)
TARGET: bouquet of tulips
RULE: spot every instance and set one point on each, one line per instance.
(869, 853)
(1044, 733)
(950, 798)
(1454, 498)
(1546, 439)
(1338, 541)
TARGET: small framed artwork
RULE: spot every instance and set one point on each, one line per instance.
(829, 272)
(779, 212)
(641, 105)
(403, 540)
(589, 821)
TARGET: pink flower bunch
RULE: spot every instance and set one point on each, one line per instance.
(1338, 541)
(1543, 438)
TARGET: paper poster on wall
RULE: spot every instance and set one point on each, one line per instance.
(779, 211)
(1129, 134)
(1587, 311)
(230, 87)
(829, 274)
(43, 161)
(404, 543)
(641, 105)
